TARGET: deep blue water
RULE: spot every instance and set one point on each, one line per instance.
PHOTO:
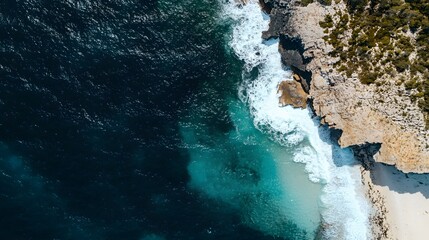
(121, 120)
(92, 97)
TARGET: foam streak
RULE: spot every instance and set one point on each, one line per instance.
(344, 209)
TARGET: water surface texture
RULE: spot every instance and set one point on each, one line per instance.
(159, 120)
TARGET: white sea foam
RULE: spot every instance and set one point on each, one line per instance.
(344, 209)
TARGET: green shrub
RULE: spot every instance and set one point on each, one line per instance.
(325, 2)
(368, 77)
(342, 68)
(410, 84)
(328, 22)
(306, 2)
(401, 64)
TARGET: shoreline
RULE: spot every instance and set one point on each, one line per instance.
(400, 202)
(365, 113)
(325, 162)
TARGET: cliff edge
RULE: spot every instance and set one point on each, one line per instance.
(366, 114)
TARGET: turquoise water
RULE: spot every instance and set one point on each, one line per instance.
(274, 165)
(246, 170)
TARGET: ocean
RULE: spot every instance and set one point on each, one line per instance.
(159, 119)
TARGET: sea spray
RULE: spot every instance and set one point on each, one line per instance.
(344, 209)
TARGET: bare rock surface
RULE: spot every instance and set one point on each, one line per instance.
(364, 113)
(292, 93)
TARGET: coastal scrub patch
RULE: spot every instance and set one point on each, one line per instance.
(376, 38)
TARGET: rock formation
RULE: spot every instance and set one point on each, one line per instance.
(364, 113)
(292, 93)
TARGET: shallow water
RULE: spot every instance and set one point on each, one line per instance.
(254, 175)
(343, 208)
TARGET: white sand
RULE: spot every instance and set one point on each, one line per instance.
(405, 197)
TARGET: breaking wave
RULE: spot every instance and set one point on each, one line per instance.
(344, 208)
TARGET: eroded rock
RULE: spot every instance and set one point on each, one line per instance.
(292, 93)
(363, 113)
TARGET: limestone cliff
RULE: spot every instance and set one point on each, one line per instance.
(364, 113)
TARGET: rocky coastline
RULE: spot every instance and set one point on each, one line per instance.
(387, 121)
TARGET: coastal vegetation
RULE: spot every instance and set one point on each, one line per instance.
(379, 39)
(323, 2)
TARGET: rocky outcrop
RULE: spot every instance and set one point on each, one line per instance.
(364, 113)
(292, 93)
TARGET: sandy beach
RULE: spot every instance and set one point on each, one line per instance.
(401, 203)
